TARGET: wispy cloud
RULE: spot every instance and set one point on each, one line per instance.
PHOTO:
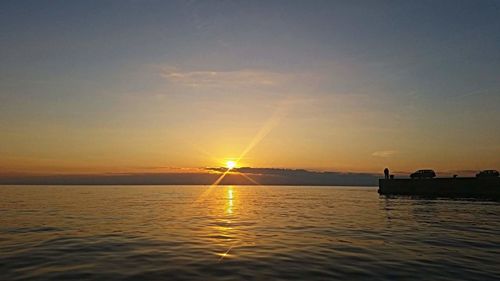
(384, 153)
(213, 78)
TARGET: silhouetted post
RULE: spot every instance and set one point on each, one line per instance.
(386, 173)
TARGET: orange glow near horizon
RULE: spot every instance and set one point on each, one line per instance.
(276, 143)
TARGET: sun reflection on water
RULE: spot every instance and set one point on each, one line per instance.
(225, 227)
(229, 204)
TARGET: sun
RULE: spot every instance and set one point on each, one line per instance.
(230, 164)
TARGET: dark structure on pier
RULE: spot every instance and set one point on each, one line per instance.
(456, 187)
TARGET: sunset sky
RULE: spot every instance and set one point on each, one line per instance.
(138, 86)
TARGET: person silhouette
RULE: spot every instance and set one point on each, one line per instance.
(386, 173)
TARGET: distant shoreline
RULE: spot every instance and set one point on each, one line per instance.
(237, 176)
(176, 184)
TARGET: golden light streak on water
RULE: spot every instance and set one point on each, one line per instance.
(226, 228)
(229, 208)
(222, 256)
(209, 189)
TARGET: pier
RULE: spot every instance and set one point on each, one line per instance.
(463, 187)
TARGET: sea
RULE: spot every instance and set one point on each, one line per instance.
(243, 233)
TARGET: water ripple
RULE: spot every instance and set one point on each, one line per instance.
(242, 233)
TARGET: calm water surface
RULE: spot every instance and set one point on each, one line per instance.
(242, 233)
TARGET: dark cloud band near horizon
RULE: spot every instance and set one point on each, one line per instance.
(210, 175)
(238, 176)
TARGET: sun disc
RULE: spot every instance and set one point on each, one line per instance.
(230, 164)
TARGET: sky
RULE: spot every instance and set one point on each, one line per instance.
(156, 86)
